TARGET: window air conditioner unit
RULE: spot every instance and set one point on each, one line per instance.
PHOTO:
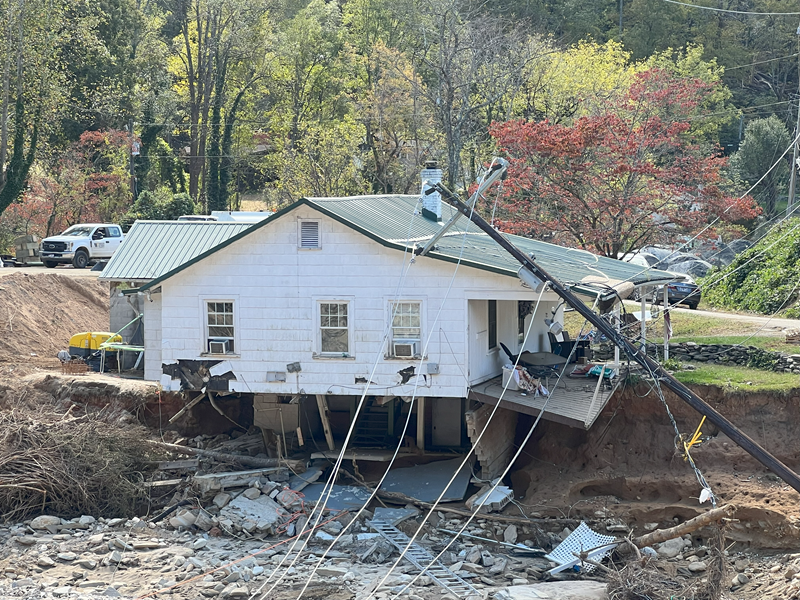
(219, 346)
(405, 348)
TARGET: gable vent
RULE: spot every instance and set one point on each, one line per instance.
(309, 234)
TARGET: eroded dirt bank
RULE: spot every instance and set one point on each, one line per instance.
(627, 465)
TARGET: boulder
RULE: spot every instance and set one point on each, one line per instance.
(45, 521)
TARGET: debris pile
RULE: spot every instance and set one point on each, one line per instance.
(54, 461)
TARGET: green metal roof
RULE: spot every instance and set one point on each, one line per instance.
(395, 221)
(152, 249)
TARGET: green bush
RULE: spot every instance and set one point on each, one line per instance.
(761, 279)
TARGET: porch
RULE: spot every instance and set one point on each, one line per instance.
(576, 402)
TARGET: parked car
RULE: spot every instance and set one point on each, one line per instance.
(680, 292)
(81, 244)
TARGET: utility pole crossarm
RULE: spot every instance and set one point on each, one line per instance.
(636, 354)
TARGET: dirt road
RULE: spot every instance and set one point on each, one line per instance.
(67, 270)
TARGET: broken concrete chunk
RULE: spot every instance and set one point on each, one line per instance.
(44, 521)
(510, 534)
(221, 500)
(184, 519)
(252, 493)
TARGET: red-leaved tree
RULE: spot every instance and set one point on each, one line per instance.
(614, 182)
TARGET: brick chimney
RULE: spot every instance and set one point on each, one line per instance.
(432, 204)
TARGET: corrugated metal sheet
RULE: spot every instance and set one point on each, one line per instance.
(152, 249)
(390, 218)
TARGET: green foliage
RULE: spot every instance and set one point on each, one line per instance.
(672, 364)
(762, 279)
(761, 359)
(764, 140)
(160, 205)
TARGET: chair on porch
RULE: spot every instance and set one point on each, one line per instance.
(564, 348)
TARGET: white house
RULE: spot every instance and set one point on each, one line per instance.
(326, 298)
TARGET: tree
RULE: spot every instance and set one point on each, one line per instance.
(764, 140)
(613, 182)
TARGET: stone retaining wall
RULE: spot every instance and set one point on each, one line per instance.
(723, 354)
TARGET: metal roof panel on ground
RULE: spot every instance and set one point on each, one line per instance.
(153, 248)
(390, 219)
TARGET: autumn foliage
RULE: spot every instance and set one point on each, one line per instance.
(616, 181)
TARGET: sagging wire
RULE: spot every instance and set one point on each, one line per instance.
(472, 450)
(511, 463)
(337, 466)
(328, 487)
(414, 393)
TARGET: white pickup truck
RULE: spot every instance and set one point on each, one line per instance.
(81, 244)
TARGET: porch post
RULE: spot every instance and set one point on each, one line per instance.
(617, 327)
(421, 423)
(665, 304)
(322, 405)
(644, 324)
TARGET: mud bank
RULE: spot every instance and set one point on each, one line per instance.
(627, 465)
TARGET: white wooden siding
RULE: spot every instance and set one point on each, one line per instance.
(277, 285)
(152, 336)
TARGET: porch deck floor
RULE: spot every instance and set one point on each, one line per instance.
(572, 403)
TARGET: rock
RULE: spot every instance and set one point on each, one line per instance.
(572, 590)
(331, 572)
(670, 548)
(112, 593)
(26, 540)
(94, 540)
(741, 579)
(22, 583)
(202, 542)
(115, 556)
(221, 500)
(87, 520)
(203, 521)
(519, 581)
(487, 560)
(251, 493)
(697, 566)
(66, 556)
(510, 534)
(334, 528)
(87, 583)
(61, 591)
(145, 545)
(233, 577)
(115, 522)
(257, 570)
(185, 519)
(87, 563)
(45, 521)
(46, 561)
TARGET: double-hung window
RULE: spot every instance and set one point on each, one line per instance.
(219, 327)
(406, 319)
(334, 328)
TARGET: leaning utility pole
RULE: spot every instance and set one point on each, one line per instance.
(793, 175)
(637, 354)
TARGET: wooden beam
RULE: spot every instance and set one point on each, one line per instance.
(253, 461)
(322, 405)
(662, 535)
(421, 423)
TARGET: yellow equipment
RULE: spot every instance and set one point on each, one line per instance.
(87, 343)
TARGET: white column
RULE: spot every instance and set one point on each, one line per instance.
(617, 325)
(666, 341)
(644, 323)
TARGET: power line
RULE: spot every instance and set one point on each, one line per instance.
(761, 62)
(736, 12)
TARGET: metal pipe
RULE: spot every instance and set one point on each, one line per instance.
(684, 393)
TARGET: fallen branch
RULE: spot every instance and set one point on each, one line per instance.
(253, 461)
(662, 535)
